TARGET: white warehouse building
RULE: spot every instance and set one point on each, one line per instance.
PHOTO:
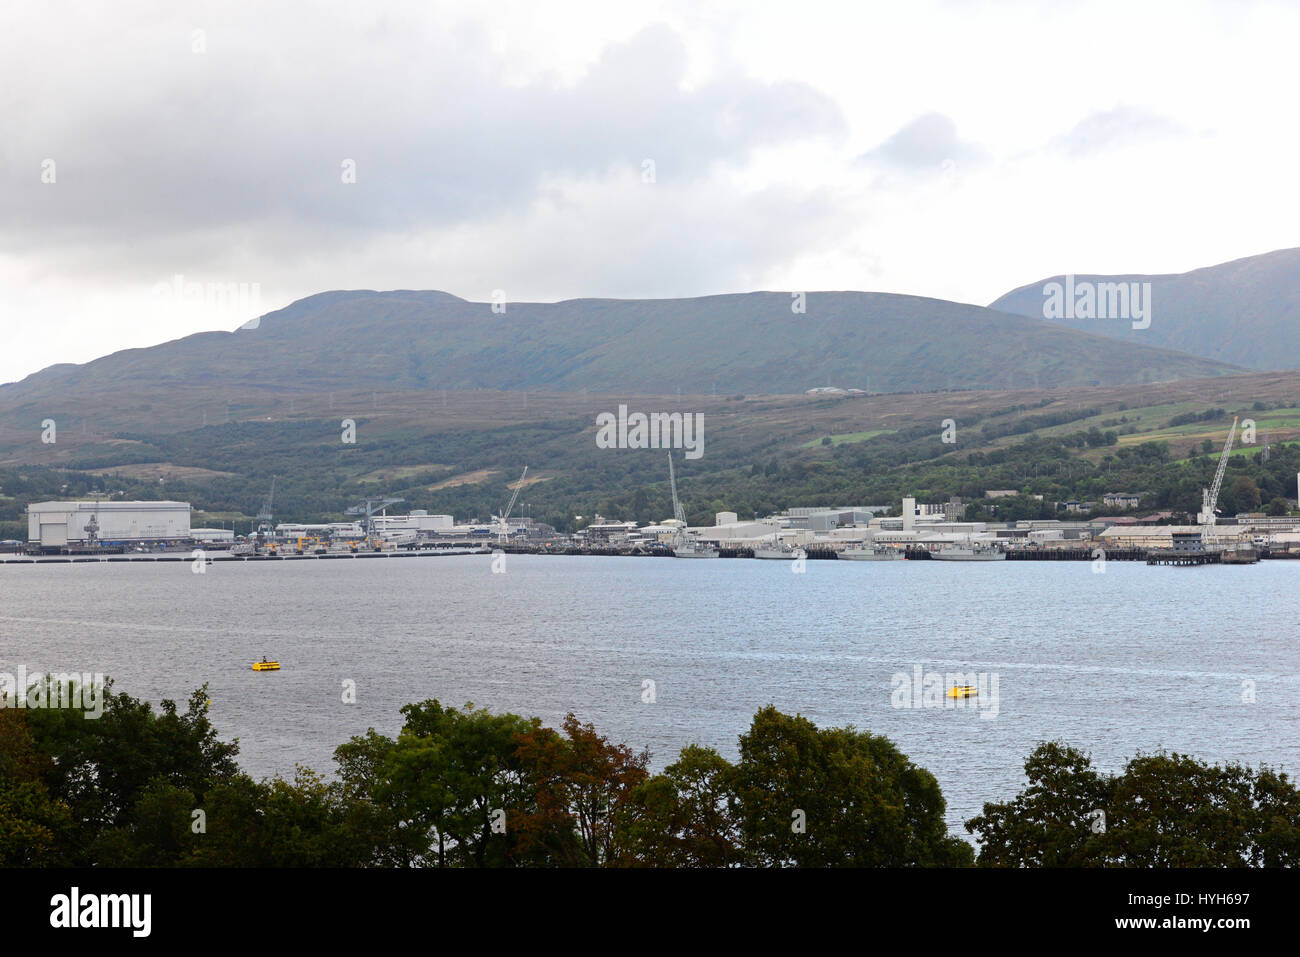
(64, 523)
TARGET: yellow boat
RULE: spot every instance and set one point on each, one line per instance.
(963, 691)
(265, 665)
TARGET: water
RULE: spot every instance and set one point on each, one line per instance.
(1135, 659)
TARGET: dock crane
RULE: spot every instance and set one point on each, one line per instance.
(264, 529)
(91, 528)
(367, 510)
(678, 513)
(503, 530)
(1210, 496)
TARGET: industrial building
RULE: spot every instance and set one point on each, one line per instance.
(59, 524)
(418, 522)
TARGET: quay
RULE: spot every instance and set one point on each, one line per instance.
(1170, 556)
(1154, 556)
(1076, 554)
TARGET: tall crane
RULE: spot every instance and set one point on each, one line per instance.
(264, 529)
(368, 509)
(1210, 496)
(503, 530)
(678, 514)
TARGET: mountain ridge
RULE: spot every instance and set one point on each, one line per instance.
(1244, 311)
(730, 342)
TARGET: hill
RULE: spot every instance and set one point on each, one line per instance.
(747, 343)
(1246, 312)
(456, 453)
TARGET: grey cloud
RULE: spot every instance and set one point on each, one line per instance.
(1110, 129)
(155, 143)
(925, 145)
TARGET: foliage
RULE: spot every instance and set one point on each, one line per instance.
(1165, 810)
(469, 788)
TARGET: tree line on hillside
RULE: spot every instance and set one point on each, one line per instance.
(470, 788)
(318, 482)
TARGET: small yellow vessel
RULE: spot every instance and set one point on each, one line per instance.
(265, 665)
(963, 691)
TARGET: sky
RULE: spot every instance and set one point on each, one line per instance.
(175, 167)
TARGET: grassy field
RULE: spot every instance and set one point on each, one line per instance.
(847, 438)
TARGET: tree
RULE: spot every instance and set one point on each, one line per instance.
(837, 797)
(277, 823)
(35, 828)
(102, 766)
(1049, 824)
(450, 785)
(581, 787)
(1241, 495)
(1165, 810)
(684, 817)
(1175, 811)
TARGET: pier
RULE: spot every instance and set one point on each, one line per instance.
(1076, 554)
(1166, 556)
(1170, 556)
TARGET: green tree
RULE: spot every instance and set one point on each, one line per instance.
(837, 797)
(1163, 811)
(450, 784)
(35, 828)
(102, 766)
(1050, 823)
(1241, 495)
(305, 822)
(684, 817)
(1175, 811)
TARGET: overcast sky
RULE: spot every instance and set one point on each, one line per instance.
(950, 149)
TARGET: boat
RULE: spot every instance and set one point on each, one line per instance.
(963, 691)
(777, 551)
(694, 549)
(265, 665)
(872, 553)
(968, 553)
(683, 545)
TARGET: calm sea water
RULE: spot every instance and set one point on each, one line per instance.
(1135, 659)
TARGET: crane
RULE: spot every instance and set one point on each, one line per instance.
(367, 510)
(678, 514)
(1210, 496)
(502, 530)
(264, 529)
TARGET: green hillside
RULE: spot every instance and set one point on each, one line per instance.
(1246, 312)
(761, 453)
(718, 344)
